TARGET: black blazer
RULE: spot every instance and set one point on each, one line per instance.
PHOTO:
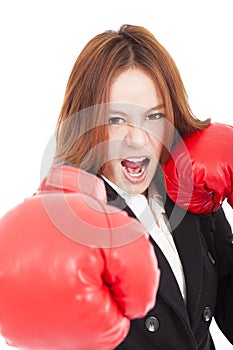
(206, 251)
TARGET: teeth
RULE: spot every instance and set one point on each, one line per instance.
(137, 175)
(136, 159)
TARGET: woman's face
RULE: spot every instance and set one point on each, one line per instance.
(136, 124)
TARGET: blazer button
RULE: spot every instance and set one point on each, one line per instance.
(207, 314)
(152, 324)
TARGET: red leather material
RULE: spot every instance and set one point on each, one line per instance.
(61, 291)
(199, 172)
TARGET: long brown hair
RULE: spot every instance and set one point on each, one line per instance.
(79, 128)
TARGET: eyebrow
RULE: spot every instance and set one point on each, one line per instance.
(115, 111)
(159, 106)
(119, 112)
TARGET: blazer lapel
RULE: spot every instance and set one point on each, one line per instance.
(185, 228)
(113, 198)
(168, 287)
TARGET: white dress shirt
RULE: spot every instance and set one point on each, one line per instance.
(151, 213)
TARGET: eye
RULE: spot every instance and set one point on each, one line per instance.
(116, 120)
(155, 116)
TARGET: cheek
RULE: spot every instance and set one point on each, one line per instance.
(117, 131)
(111, 170)
(115, 148)
(156, 147)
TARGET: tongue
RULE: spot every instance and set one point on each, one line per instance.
(132, 167)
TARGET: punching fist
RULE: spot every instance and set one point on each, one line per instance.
(73, 270)
(199, 172)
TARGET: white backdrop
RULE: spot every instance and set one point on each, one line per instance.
(40, 41)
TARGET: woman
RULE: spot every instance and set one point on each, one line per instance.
(125, 106)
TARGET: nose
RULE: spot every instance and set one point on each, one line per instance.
(136, 136)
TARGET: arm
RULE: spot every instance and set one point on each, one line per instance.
(224, 257)
(199, 173)
(55, 253)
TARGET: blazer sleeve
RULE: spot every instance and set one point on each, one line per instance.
(223, 245)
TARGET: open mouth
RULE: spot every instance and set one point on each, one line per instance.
(135, 167)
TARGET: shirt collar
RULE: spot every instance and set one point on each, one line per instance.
(154, 199)
(121, 192)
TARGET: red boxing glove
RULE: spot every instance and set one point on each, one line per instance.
(70, 274)
(199, 173)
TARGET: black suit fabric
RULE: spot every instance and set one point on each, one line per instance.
(204, 244)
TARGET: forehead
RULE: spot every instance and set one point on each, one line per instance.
(134, 87)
